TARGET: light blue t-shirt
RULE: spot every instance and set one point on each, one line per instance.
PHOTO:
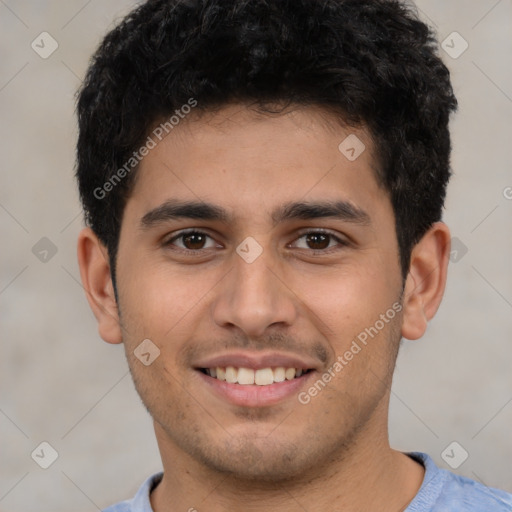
(441, 491)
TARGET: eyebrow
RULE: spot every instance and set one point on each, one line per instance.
(175, 209)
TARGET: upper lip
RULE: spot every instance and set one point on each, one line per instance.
(256, 361)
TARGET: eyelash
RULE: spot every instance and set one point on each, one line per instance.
(198, 252)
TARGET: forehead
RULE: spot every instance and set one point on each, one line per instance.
(251, 162)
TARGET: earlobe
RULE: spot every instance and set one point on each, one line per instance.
(97, 282)
(426, 281)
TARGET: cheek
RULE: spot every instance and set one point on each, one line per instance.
(156, 299)
(349, 304)
(347, 298)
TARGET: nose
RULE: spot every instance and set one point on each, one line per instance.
(254, 296)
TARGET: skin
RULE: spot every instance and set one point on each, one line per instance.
(333, 453)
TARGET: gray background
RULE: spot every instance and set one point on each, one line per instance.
(62, 384)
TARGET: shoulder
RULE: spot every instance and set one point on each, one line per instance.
(473, 496)
(140, 502)
(444, 491)
(123, 506)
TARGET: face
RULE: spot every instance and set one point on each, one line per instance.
(251, 241)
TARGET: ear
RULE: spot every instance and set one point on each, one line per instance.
(425, 283)
(95, 273)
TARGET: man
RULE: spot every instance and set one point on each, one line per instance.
(263, 184)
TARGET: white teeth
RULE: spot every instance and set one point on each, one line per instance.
(248, 376)
(289, 373)
(231, 374)
(279, 374)
(264, 377)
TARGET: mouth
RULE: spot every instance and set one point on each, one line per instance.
(259, 377)
(255, 379)
(259, 387)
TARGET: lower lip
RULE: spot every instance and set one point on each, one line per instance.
(252, 395)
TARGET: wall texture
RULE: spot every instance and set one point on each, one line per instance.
(63, 385)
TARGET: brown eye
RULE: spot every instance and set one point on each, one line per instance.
(192, 241)
(319, 241)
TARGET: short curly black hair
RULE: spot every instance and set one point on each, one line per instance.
(373, 63)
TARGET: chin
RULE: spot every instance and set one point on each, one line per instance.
(246, 457)
(253, 464)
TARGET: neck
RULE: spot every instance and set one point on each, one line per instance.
(367, 475)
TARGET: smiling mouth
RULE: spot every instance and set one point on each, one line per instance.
(249, 376)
